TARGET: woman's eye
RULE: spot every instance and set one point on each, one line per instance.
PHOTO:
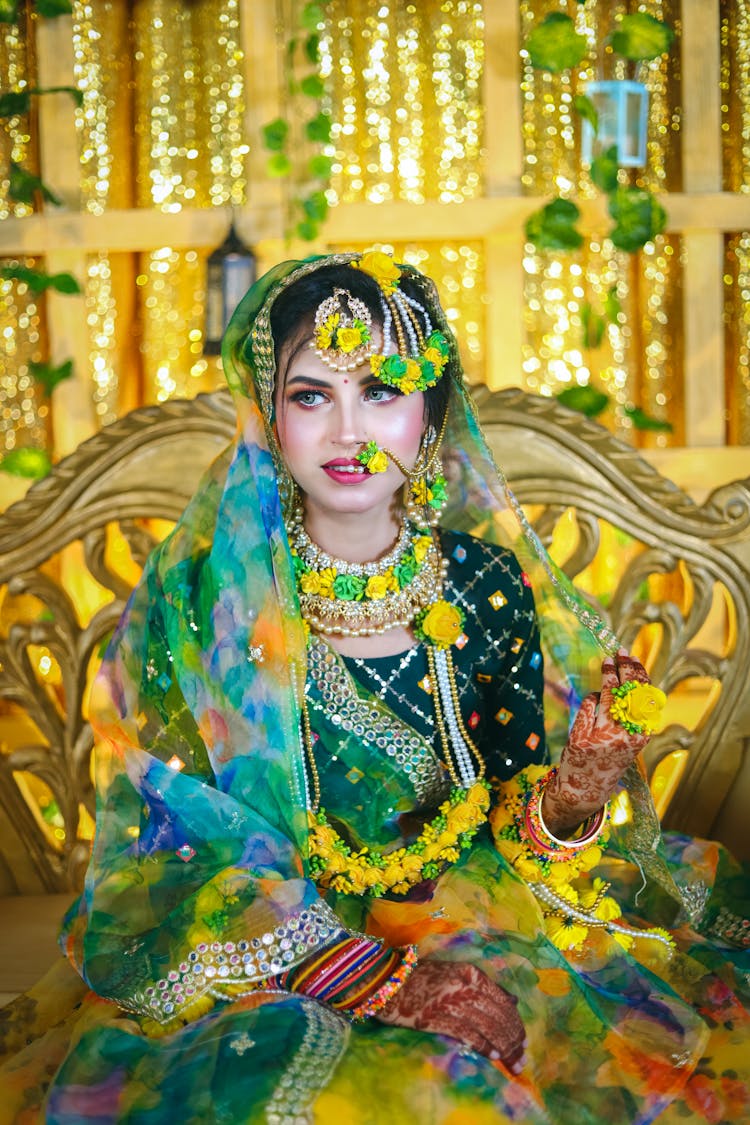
(307, 398)
(380, 393)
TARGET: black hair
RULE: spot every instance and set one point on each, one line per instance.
(293, 311)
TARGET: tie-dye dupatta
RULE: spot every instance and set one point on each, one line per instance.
(197, 884)
(201, 820)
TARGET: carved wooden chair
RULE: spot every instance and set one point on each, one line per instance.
(672, 577)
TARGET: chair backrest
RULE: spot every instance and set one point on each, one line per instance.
(673, 574)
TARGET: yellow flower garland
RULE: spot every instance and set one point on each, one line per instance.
(334, 864)
(571, 902)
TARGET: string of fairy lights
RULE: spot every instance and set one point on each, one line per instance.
(404, 88)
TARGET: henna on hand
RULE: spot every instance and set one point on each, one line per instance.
(597, 753)
(459, 1000)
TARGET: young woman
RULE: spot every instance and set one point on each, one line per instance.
(334, 876)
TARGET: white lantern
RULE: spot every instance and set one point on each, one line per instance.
(622, 109)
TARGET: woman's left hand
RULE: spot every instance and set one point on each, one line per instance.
(597, 753)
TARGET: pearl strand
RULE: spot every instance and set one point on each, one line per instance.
(458, 745)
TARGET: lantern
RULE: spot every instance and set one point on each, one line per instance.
(230, 271)
(622, 109)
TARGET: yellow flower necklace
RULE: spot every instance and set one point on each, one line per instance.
(334, 864)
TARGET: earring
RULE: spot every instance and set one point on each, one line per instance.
(426, 491)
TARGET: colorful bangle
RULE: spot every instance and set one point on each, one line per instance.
(379, 999)
(590, 829)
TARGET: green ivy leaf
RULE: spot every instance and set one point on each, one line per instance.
(38, 281)
(319, 128)
(8, 11)
(555, 44)
(320, 166)
(316, 206)
(643, 421)
(28, 462)
(586, 400)
(312, 86)
(275, 134)
(638, 215)
(49, 376)
(52, 8)
(640, 36)
(312, 48)
(586, 109)
(307, 229)
(552, 227)
(312, 16)
(604, 168)
(23, 184)
(593, 326)
(612, 306)
(14, 102)
(278, 165)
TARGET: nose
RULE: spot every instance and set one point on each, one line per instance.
(348, 426)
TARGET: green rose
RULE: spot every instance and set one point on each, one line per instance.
(349, 587)
(394, 367)
(405, 570)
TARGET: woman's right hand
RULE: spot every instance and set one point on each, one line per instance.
(457, 999)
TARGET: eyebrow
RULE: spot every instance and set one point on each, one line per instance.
(308, 380)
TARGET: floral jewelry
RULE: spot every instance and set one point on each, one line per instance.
(374, 459)
(439, 624)
(334, 864)
(558, 871)
(416, 358)
(638, 707)
(343, 331)
(361, 599)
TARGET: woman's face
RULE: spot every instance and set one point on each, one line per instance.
(323, 419)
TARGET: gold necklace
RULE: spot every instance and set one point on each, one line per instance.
(364, 599)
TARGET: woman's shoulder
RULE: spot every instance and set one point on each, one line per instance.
(465, 549)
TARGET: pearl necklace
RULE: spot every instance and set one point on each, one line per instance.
(363, 599)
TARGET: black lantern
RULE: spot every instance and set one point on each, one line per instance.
(230, 271)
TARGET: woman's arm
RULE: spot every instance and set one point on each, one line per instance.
(597, 753)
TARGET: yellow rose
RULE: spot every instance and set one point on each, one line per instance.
(406, 386)
(589, 857)
(478, 795)
(462, 817)
(528, 870)
(560, 872)
(382, 267)
(310, 583)
(392, 580)
(442, 623)
(422, 543)
(377, 586)
(378, 463)
(376, 362)
(642, 706)
(412, 865)
(327, 577)
(436, 357)
(431, 852)
(335, 862)
(358, 880)
(348, 339)
(372, 876)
